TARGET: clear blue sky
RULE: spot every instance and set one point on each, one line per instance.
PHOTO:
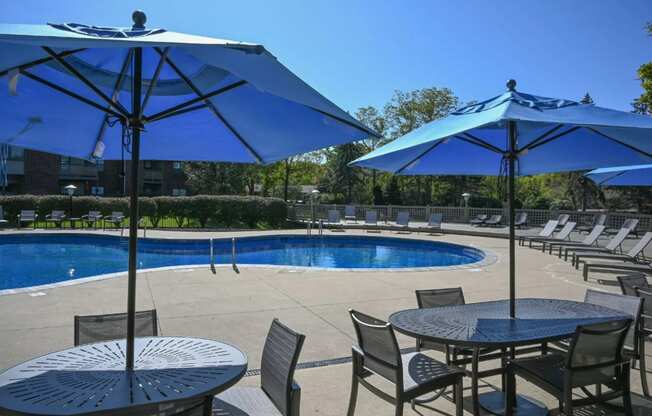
(357, 52)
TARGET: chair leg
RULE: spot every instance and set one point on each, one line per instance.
(354, 394)
(568, 402)
(643, 366)
(208, 406)
(399, 409)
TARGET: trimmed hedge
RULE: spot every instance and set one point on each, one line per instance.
(200, 210)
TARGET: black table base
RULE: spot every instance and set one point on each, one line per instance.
(494, 403)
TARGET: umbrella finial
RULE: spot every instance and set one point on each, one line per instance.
(139, 18)
(511, 85)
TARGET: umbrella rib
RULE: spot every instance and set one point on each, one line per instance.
(469, 138)
(174, 110)
(550, 139)
(348, 123)
(629, 146)
(154, 80)
(182, 111)
(40, 61)
(211, 105)
(71, 94)
(86, 81)
(534, 143)
(435, 144)
(116, 91)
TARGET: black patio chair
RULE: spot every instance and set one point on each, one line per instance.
(413, 374)
(493, 221)
(96, 328)
(594, 358)
(629, 283)
(278, 393)
(645, 329)
(479, 219)
(520, 220)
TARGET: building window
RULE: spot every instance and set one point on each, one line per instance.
(177, 165)
(147, 164)
(178, 192)
(97, 190)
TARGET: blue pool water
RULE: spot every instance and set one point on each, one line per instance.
(38, 259)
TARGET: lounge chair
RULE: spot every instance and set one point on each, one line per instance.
(547, 231)
(278, 394)
(55, 217)
(520, 220)
(493, 221)
(598, 219)
(589, 241)
(371, 220)
(116, 218)
(479, 219)
(434, 222)
(629, 283)
(92, 218)
(635, 255)
(3, 222)
(334, 220)
(96, 328)
(28, 216)
(629, 223)
(403, 221)
(595, 357)
(349, 214)
(378, 356)
(562, 235)
(562, 220)
(614, 244)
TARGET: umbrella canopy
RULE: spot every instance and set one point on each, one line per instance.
(518, 134)
(92, 92)
(637, 175)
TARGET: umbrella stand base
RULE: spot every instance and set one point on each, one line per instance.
(494, 403)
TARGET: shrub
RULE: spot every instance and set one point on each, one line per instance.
(12, 205)
(175, 207)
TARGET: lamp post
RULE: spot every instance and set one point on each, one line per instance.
(466, 197)
(314, 195)
(70, 190)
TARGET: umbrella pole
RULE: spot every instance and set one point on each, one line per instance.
(511, 131)
(135, 125)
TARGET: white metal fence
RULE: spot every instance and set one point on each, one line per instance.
(462, 215)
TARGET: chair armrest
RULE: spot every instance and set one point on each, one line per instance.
(48, 216)
(295, 399)
(85, 216)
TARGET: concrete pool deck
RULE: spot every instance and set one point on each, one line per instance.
(238, 307)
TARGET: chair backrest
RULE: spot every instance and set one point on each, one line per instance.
(27, 214)
(597, 347)
(371, 217)
(600, 219)
(435, 219)
(593, 236)
(481, 217)
(629, 283)
(377, 341)
(96, 328)
(495, 218)
(565, 232)
(630, 223)
(403, 218)
(279, 360)
(57, 214)
(549, 228)
(333, 216)
(563, 219)
(94, 214)
(521, 218)
(117, 215)
(618, 239)
(630, 305)
(349, 211)
(640, 246)
(435, 298)
(646, 315)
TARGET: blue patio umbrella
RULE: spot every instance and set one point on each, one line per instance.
(141, 93)
(518, 134)
(637, 175)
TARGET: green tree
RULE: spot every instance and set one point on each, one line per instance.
(342, 180)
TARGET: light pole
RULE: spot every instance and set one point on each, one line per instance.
(70, 190)
(466, 197)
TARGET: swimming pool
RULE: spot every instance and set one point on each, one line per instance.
(42, 259)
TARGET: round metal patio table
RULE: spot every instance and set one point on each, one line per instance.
(92, 379)
(487, 325)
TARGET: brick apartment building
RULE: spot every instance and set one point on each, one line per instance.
(33, 172)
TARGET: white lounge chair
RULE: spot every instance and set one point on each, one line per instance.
(92, 218)
(403, 221)
(349, 214)
(371, 220)
(116, 219)
(28, 216)
(334, 220)
(55, 217)
(434, 222)
(547, 231)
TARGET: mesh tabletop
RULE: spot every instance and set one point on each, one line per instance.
(92, 379)
(487, 324)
